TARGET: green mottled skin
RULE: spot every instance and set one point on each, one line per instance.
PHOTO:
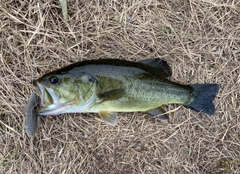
(142, 88)
(142, 94)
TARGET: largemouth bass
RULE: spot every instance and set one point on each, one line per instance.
(109, 86)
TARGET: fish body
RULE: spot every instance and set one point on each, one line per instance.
(32, 120)
(112, 85)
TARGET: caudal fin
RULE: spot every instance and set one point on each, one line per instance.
(203, 95)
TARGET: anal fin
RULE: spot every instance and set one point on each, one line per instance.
(110, 118)
(159, 113)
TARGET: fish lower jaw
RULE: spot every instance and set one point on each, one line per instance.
(62, 109)
(56, 111)
(53, 109)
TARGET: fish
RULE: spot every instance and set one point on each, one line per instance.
(108, 86)
(32, 120)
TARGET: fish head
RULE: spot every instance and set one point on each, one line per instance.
(62, 93)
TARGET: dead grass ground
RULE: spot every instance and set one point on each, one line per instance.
(199, 38)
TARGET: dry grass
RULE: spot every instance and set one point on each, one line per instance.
(199, 38)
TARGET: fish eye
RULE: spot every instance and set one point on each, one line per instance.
(53, 79)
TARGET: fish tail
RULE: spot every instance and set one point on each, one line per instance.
(203, 95)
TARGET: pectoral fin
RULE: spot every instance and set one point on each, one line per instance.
(110, 118)
(112, 94)
(159, 112)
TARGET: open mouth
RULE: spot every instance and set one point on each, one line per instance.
(49, 102)
(45, 96)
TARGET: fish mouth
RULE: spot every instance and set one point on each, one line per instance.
(46, 95)
(49, 101)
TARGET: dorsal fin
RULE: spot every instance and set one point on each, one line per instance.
(159, 65)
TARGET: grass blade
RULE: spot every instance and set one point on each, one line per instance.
(63, 4)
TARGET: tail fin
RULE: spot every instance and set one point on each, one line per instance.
(203, 95)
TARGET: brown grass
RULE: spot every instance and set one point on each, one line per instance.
(199, 38)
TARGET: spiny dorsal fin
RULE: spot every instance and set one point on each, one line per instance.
(159, 65)
(110, 118)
